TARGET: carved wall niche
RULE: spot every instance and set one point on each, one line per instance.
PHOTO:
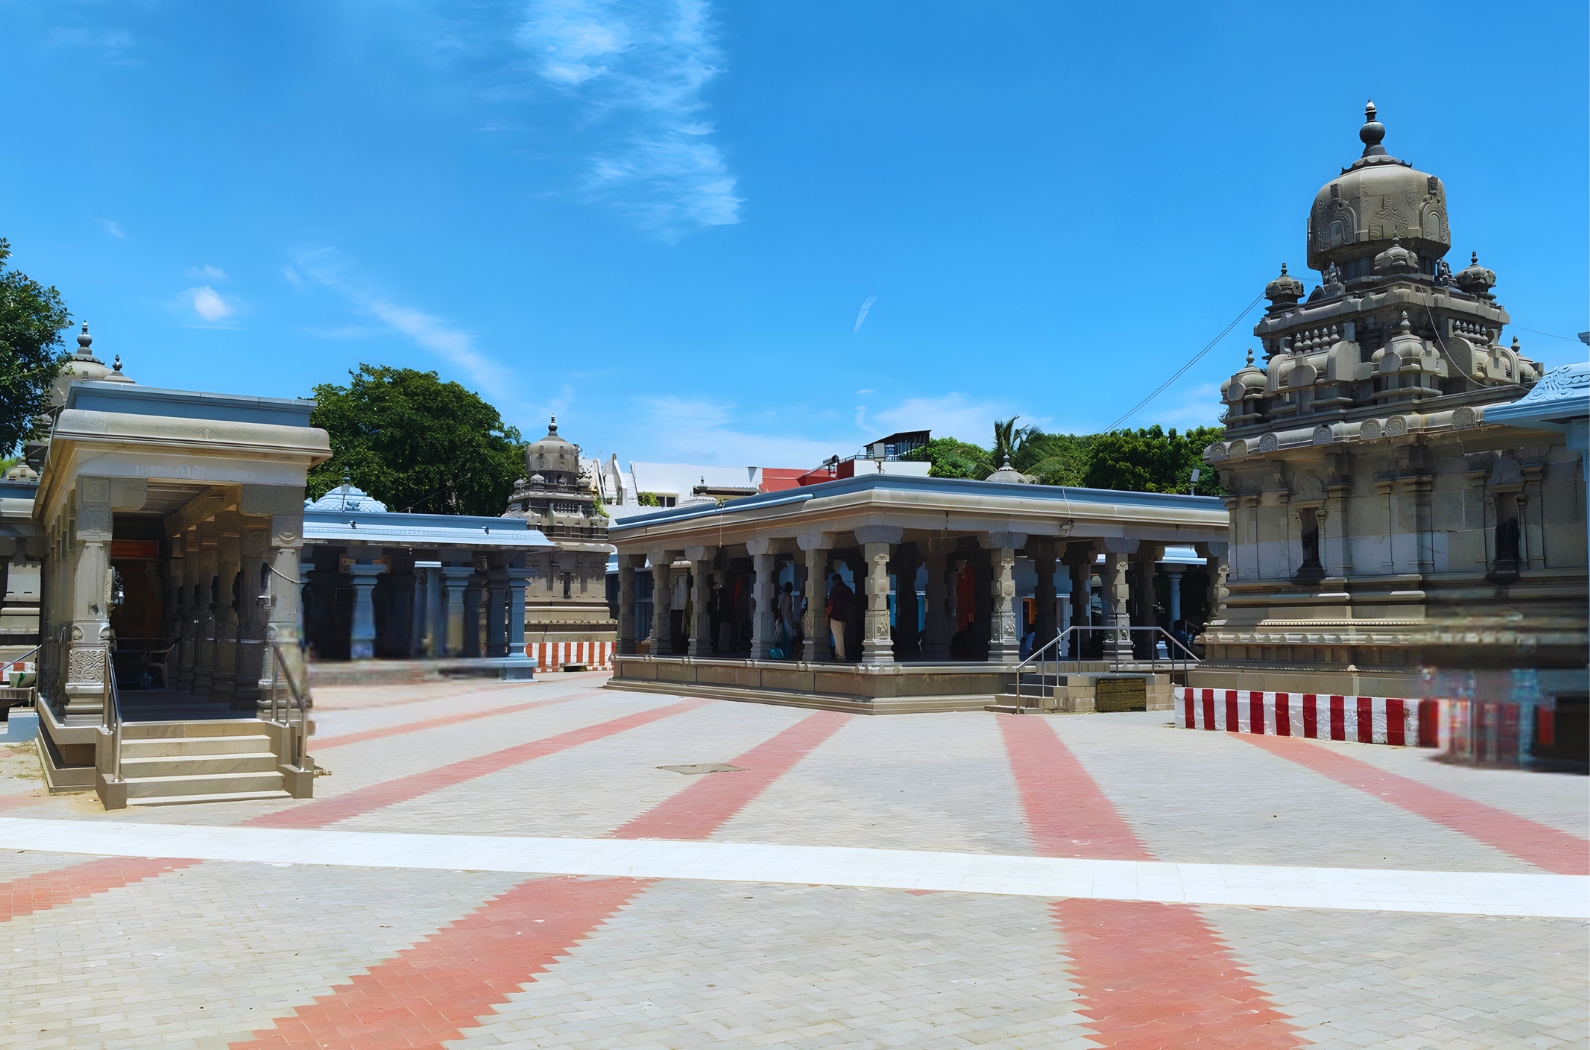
(1505, 496)
(1308, 513)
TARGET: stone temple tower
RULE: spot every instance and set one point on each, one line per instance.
(1380, 527)
(566, 600)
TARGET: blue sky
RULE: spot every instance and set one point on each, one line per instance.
(662, 220)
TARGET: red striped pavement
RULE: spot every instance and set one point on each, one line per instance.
(1149, 976)
(706, 805)
(96, 876)
(1529, 841)
(432, 992)
(49, 889)
(322, 811)
(439, 723)
(429, 993)
(1154, 976)
(10, 802)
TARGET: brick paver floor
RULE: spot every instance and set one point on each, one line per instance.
(137, 951)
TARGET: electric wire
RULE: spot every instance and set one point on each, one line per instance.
(1199, 356)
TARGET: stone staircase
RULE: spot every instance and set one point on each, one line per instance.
(1087, 692)
(170, 763)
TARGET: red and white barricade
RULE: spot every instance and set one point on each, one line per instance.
(1318, 716)
(554, 656)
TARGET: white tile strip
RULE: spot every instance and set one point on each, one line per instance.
(1245, 885)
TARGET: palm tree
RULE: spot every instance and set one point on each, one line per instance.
(1008, 440)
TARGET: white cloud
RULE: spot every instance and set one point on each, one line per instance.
(862, 316)
(292, 276)
(113, 45)
(209, 304)
(331, 269)
(710, 433)
(949, 416)
(640, 65)
(213, 273)
(1199, 407)
(112, 227)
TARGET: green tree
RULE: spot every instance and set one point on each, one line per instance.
(1151, 460)
(415, 442)
(952, 459)
(32, 318)
(1054, 459)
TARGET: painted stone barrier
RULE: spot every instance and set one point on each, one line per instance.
(1317, 716)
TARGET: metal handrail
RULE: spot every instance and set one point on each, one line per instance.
(112, 715)
(24, 656)
(281, 708)
(1050, 653)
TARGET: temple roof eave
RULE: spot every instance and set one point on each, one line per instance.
(1056, 512)
(1353, 304)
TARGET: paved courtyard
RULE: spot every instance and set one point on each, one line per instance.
(928, 880)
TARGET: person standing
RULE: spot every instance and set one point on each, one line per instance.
(838, 613)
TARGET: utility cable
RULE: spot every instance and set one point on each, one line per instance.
(1199, 356)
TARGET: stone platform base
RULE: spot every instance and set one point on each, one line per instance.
(399, 672)
(907, 688)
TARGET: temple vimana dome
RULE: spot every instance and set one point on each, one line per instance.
(1389, 322)
(1378, 522)
(567, 598)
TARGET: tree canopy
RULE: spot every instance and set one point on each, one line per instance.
(415, 442)
(32, 318)
(1147, 460)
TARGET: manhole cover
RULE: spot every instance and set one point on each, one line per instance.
(704, 767)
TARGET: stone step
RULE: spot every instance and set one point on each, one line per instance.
(223, 796)
(153, 747)
(206, 784)
(166, 766)
(185, 730)
(1007, 704)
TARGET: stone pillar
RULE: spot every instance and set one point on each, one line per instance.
(940, 617)
(1043, 594)
(908, 639)
(700, 628)
(1004, 644)
(228, 566)
(661, 602)
(497, 612)
(1117, 595)
(1338, 552)
(1173, 574)
(816, 644)
(285, 612)
(88, 638)
(420, 606)
(455, 578)
(435, 612)
(762, 558)
(1218, 572)
(1078, 559)
(877, 545)
(361, 637)
(518, 580)
(252, 610)
(468, 618)
(207, 592)
(186, 576)
(627, 564)
(1143, 641)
